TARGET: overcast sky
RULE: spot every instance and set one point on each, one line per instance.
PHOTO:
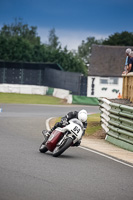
(73, 20)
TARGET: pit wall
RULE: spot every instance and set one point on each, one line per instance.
(117, 121)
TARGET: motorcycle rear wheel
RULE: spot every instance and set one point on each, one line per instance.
(60, 149)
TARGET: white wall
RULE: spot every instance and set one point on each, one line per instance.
(34, 89)
(23, 89)
(108, 87)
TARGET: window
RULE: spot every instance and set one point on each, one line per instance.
(103, 81)
(112, 80)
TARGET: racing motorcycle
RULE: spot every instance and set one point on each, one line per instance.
(62, 138)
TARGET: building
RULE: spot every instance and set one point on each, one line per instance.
(105, 69)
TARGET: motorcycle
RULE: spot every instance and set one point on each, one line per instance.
(62, 138)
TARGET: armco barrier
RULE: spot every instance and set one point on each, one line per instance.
(117, 121)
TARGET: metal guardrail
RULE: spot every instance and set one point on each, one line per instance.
(117, 121)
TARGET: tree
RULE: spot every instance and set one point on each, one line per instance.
(71, 62)
(84, 50)
(121, 39)
(19, 42)
(18, 29)
(53, 39)
(15, 49)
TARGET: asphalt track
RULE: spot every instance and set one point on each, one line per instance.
(26, 174)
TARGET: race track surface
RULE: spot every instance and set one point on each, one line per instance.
(26, 174)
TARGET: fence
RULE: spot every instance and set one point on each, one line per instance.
(117, 121)
(42, 74)
(74, 82)
(127, 91)
(24, 73)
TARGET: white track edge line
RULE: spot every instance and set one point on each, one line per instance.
(47, 123)
(109, 157)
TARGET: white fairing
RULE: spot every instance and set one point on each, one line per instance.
(75, 127)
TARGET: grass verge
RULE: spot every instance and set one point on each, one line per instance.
(29, 99)
(93, 124)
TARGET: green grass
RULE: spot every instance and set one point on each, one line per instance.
(29, 99)
(93, 124)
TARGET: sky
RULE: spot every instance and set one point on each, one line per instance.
(73, 20)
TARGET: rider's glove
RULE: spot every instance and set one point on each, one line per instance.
(64, 121)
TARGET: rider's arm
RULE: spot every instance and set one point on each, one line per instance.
(71, 115)
(66, 118)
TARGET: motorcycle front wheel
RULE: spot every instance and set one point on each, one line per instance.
(60, 149)
(43, 148)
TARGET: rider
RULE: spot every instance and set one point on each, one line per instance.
(81, 115)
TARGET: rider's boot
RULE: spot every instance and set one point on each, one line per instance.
(77, 143)
(47, 133)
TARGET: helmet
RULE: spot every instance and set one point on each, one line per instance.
(82, 115)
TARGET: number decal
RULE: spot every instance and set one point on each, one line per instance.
(76, 129)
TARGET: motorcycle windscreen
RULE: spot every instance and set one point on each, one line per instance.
(53, 140)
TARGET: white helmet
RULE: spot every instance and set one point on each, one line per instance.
(82, 115)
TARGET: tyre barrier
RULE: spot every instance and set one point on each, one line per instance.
(117, 121)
